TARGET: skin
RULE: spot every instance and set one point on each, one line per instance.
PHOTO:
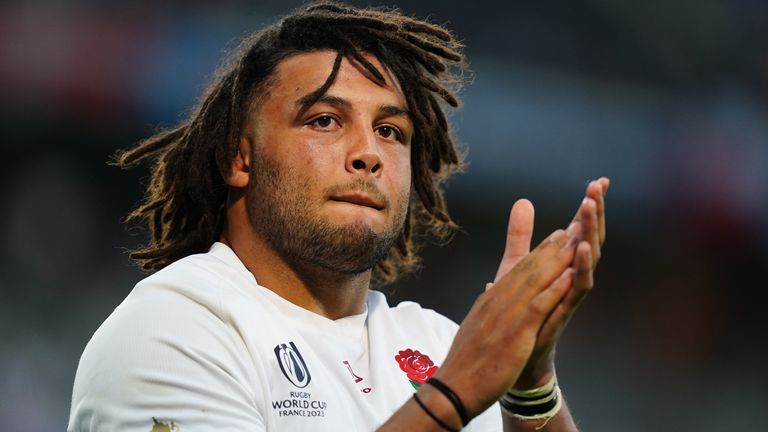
(360, 135)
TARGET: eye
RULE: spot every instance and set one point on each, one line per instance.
(389, 132)
(324, 122)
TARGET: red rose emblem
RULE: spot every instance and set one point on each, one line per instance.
(417, 366)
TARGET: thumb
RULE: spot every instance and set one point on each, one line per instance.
(519, 233)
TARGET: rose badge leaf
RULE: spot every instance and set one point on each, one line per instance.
(417, 366)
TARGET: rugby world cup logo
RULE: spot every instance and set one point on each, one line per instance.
(292, 364)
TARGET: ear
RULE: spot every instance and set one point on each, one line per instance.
(239, 173)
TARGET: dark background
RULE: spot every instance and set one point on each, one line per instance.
(667, 98)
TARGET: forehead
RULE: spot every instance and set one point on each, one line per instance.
(303, 73)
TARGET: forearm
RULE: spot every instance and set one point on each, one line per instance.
(537, 381)
(412, 417)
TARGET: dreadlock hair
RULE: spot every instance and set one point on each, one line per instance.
(185, 203)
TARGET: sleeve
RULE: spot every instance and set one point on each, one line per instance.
(163, 362)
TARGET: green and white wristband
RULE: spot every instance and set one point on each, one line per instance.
(535, 393)
(541, 403)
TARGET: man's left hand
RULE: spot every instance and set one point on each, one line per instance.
(590, 220)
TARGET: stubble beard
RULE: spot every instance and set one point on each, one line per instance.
(280, 212)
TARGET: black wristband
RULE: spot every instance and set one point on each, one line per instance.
(453, 397)
(434, 417)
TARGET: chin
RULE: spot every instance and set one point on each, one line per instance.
(360, 228)
(361, 220)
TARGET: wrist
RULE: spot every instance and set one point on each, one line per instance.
(440, 406)
(535, 404)
(535, 376)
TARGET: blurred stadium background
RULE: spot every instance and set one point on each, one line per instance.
(668, 98)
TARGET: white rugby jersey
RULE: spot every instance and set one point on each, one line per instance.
(200, 346)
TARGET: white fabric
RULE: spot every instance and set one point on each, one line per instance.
(195, 344)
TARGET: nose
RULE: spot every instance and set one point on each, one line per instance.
(363, 156)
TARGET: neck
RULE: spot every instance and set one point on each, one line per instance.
(330, 294)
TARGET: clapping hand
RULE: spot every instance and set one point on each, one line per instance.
(588, 226)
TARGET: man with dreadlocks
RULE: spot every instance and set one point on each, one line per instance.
(302, 177)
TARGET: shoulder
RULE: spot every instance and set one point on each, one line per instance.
(195, 287)
(185, 303)
(168, 344)
(191, 290)
(413, 315)
(198, 276)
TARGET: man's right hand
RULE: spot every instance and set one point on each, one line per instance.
(498, 335)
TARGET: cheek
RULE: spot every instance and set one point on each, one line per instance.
(401, 171)
(304, 162)
(318, 156)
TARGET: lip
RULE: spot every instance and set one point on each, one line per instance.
(358, 199)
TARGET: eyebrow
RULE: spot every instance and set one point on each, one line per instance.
(333, 101)
(395, 111)
(337, 102)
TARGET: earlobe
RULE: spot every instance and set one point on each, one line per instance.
(239, 173)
